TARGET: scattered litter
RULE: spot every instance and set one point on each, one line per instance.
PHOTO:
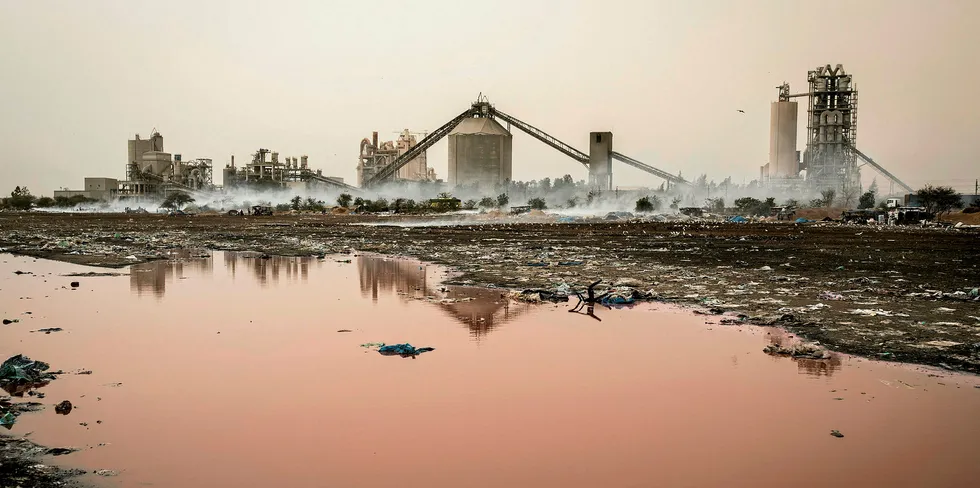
(371, 345)
(876, 312)
(49, 330)
(344, 330)
(570, 263)
(106, 472)
(8, 419)
(829, 295)
(403, 350)
(836, 433)
(809, 351)
(945, 310)
(942, 343)
(21, 369)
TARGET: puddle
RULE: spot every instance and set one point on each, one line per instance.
(229, 371)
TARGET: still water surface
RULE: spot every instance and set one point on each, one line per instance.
(230, 371)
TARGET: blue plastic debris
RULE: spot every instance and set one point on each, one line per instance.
(802, 220)
(403, 350)
(570, 263)
(8, 419)
(738, 219)
(566, 220)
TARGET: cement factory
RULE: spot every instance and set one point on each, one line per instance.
(481, 154)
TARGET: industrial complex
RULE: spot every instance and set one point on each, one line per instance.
(481, 154)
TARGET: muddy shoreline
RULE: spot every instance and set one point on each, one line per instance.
(896, 294)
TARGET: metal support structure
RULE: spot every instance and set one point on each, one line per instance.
(544, 137)
(677, 180)
(483, 108)
(881, 170)
(427, 142)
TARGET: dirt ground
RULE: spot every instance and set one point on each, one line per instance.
(900, 294)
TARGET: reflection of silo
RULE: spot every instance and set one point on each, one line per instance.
(479, 152)
(782, 140)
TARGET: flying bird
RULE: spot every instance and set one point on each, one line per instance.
(741, 111)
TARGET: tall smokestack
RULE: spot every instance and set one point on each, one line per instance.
(374, 138)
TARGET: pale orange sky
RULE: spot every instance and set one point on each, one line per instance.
(667, 77)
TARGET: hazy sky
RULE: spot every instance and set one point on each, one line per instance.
(216, 78)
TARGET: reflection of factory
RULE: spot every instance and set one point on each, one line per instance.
(152, 277)
(480, 310)
(375, 155)
(267, 170)
(270, 269)
(151, 171)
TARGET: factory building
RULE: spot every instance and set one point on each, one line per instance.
(480, 152)
(784, 161)
(375, 155)
(153, 172)
(830, 160)
(267, 170)
(95, 188)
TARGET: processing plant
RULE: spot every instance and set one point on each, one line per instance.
(830, 160)
(375, 156)
(267, 171)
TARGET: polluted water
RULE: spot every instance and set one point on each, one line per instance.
(251, 370)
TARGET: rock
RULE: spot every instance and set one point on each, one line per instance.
(836, 433)
(60, 451)
(75, 284)
(63, 408)
(106, 472)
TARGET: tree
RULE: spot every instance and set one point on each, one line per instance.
(469, 205)
(849, 195)
(792, 203)
(296, 203)
(344, 199)
(716, 205)
(487, 202)
(537, 203)
(867, 200)
(20, 199)
(938, 200)
(545, 185)
(283, 207)
(572, 202)
(675, 203)
(592, 196)
(644, 205)
(45, 202)
(827, 197)
(358, 202)
(176, 200)
(502, 200)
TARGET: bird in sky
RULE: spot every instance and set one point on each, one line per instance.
(741, 111)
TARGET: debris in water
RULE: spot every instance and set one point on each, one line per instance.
(63, 408)
(344, 330)
(403, 350)
(75, 284)
(21, 369)
(10, 321)
(836, 433)
(8, 419)
(106, 472)
(371, 345)
(49, 330)
(60, 451)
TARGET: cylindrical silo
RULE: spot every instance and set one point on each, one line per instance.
(782, 140)
(480, 151)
